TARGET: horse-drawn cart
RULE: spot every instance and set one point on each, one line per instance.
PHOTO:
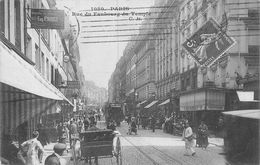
(100, 144)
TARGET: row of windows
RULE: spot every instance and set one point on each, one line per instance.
(5, 25)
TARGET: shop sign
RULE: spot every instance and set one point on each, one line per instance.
(47, 19)
(208, 43)
(73, 84)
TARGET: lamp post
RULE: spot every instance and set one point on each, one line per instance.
(136, 100)
(62, 88)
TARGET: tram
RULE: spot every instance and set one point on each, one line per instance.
(114, 112)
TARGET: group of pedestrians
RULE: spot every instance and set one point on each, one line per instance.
(189, 137)
(31, 152)
(135, 122)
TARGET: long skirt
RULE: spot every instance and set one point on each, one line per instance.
(204, 141)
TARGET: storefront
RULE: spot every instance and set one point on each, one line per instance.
(165, 107)
(25, 95)
(203, 104)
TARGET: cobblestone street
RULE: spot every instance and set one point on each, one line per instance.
(158, 148)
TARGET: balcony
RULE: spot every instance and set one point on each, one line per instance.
(209, 84)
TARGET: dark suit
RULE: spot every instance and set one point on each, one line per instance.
(52, 160)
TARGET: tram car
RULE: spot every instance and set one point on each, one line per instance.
(241, 136)
(114, 112)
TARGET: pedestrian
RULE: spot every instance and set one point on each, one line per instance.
(203, 135)
(43, 137)
(153, 122)
(133, 127)
(55, 158)
(14, 155)
(112, 125)
(138, 121)
(187, 136)
(34, 150)
(73, 132)
(86, 123)
(59, 131)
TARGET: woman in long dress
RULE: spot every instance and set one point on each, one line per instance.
(203, 135)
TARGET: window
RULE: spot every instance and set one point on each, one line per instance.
(52, 75)
(188, 81)
(195, 25)
(253, 19)
(2, 17)
(214, 10)
(47, 69)
(42, 64)
(37, 58)
(17, 24)
(29, 46)
(205, 17)
(253, 50)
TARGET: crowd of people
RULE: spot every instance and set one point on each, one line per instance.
(30, 152)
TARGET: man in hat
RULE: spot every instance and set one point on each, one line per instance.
(55, 158)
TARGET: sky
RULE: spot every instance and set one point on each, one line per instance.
(99, 59)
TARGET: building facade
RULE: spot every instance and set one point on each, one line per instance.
(196, 92)
(32, 69)
(167, 57)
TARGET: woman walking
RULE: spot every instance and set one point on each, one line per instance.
(203, 135)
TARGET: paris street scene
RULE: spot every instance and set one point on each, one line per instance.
(129, 82)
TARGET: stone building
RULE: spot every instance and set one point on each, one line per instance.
(32, 69)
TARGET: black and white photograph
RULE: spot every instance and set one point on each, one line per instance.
(129, 82)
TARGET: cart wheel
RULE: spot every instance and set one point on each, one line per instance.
(118, 152)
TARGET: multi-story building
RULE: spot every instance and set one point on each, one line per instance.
(199, 93)
(206, 91)
(167, 57)
(131, 59)
(32, 68)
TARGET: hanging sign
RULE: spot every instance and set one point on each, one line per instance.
(47, 19)
(73, 84)
(208, 43)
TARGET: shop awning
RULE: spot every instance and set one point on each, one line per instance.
(139, 104)
(246, 96)
(165, 102)
(252, 114)
(204, 99)
(15, 72)
(151, 104)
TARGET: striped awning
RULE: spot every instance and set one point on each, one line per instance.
(151, 104)
(19, 106)
(17, 73)
(165, 102)
(139, 104)
(24, 93)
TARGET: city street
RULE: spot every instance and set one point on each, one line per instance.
(71, 71)
(158, 148)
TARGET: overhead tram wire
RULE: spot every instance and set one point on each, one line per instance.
(107, 41)
(96, 31)
(125, 25)
(123, 35)
(93, 42)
